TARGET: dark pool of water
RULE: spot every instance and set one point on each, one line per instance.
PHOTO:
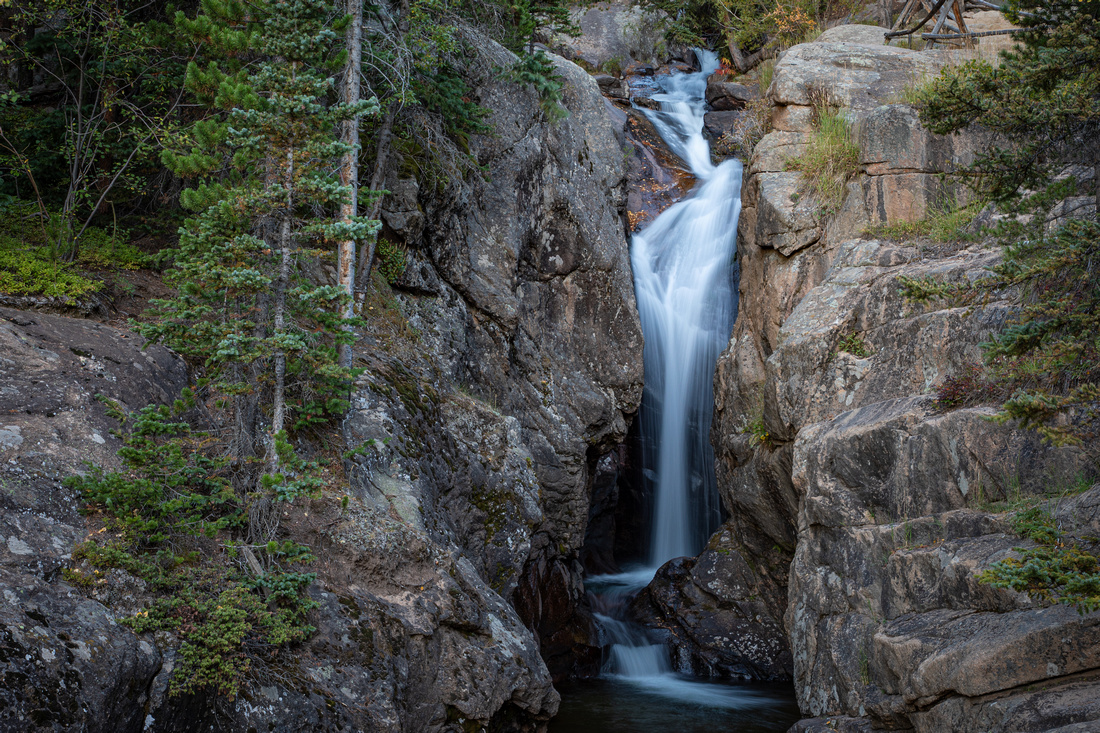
(674, 704)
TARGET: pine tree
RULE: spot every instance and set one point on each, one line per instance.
(265, 204)
(1044, 100)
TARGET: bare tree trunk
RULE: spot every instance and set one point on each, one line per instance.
(378, 179)
(278, 417)
(349, 168)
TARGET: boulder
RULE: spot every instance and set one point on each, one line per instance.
(616, 33)
(717, 124)
(727, 95)
(851, 75)
(863, 35)
(715, 622)
(612, 86)
(532, 345)
(65, 663)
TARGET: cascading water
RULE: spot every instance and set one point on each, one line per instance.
(684, 272)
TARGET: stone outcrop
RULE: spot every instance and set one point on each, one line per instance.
(617, 34)
(525, 303)
(862, 507)
(65, 664)
(713, 624)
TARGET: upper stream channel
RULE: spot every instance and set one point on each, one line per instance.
(685, 281)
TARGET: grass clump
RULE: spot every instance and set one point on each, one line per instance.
(758, 432)
(831, 157)
(948, 224)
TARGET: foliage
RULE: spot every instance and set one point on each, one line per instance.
(159, 517)
(26, 272)
(30, 265)
(536, 70)
(755, 29)
(758, 432)
(89, 144)
(971, 386)
(1044, 98)
(1058, 569)
(831, 157)
(854, 344)
(391, 260)
(264, 200)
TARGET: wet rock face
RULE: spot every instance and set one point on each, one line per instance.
(529, 338)
(715, 623)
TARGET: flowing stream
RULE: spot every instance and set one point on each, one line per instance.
(684, 281)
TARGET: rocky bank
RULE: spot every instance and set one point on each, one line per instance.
(500, 368)
(863, 509)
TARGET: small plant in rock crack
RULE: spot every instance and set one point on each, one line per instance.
(854, 344)
(758, 432)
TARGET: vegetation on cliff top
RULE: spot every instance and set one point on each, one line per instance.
(1044, 99)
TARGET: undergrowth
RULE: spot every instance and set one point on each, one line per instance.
(32, 264)
(1059, 569)
(171, 518)
(831, 156)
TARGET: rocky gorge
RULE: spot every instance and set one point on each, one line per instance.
(487, 453)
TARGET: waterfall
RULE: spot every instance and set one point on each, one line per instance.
(684, 283)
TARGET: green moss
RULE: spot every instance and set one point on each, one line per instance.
(495, 505)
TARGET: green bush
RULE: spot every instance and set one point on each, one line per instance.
(170, 519)
(26, 272)
(1056, 570)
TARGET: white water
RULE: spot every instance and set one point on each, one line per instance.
(683, 280)
(683, 265)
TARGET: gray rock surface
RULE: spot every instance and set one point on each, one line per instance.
(852, 75)
(617, 32)
(859, 505)
(533, 317)
(727, 95)
(65, 664)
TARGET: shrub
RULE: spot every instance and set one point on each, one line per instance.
(971, 386)
(162, 515)
(854, 344)
(1056, 570)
